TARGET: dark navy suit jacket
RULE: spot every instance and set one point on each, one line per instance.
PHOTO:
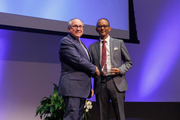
(76, 69)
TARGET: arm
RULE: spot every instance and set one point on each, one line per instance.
(69, 53)
(126, 59)
(127, 63)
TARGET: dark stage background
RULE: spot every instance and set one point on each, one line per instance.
(29, 63)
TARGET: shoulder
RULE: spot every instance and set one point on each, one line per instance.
(94, 44)
(116, 40)
(67, 40)
(68, 37)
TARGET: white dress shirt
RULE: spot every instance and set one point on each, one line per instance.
(108, 57)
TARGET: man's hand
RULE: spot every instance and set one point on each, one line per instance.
(115, 71)
(97, 73)
(92, 92)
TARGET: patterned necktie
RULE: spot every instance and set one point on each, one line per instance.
(103, 59)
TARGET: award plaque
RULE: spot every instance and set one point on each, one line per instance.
(106, 69)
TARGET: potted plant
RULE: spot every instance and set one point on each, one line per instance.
(53, 108)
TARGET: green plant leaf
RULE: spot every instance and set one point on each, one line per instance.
(55, 86)
(51, 111)
(55, 93)
(39, 110)
(45, 100)
(53, 105)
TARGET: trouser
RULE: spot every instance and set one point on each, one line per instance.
(74, 108)
(108, 91)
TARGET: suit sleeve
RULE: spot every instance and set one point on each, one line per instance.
(126, 59)
(90, 51)
(69, 53)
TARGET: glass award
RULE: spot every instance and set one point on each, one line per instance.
(106, 69)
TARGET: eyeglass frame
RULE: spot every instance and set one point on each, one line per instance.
(104, 26)
(76, 26)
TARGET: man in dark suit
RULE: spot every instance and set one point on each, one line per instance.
(76, 71)
(111, 55)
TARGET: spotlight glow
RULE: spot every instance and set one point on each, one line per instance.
(163, 53)
(2, 51)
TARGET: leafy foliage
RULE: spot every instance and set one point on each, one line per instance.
(51, 108)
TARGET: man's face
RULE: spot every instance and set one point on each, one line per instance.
(76, 29)
(103, 28)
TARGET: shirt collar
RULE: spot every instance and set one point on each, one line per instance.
(107, 39)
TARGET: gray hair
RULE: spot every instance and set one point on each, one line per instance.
(70, 22)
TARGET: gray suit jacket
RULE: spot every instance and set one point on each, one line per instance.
(76, 69)
(119, 59)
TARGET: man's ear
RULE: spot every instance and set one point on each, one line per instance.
(68, 29)
(109, 29)
(96, 29)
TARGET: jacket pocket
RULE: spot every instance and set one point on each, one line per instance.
(77, 77)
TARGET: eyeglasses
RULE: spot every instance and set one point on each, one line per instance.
(76, 26)
(104, 26)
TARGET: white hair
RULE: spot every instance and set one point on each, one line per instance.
(70, 22)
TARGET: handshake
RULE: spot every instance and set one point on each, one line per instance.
(97, 73)
(112, 71)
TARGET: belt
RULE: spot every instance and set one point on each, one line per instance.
(106, 78)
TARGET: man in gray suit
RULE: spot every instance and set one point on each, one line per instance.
(112, 59)
(76, 71)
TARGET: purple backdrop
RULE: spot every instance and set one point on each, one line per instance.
(29, 62)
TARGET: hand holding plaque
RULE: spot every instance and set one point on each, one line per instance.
(106, 69)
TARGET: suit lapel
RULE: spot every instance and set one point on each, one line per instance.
(87, 51)
(80, 47)
(97, 50)
(112, 50)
